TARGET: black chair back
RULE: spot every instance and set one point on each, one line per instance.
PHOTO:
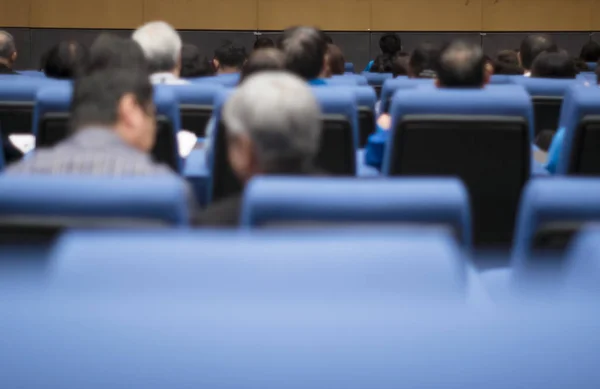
(194, 118)
(547, 112)
(585, 155)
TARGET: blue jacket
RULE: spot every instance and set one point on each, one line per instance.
(375, 149)
(555, 149)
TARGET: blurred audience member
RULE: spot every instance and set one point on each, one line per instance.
(113, 119)
(66, 60)
(335, 60)
(263, 43)
(507, 63)
(327, 38)
(192, 64)
(390, 44)
(263, 60)
(400, 64)
(554, 65)
(161, 45)
(8, 53)
(112, 52)
(273, 126)
(423, 61)
(229, 58)
(382, 64)
(590, 52)
(304, 50)
(531, 47)
(581, 65)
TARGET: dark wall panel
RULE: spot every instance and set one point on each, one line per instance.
(354, 45)
(209, 41)
(494, 42)
(23, 43)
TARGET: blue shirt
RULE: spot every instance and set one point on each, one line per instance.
(375, 148)
(554, 152)
(369, 66)
(317, 82)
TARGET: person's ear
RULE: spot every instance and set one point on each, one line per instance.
(242, 156)
(128, 108)
(216, 63)
(13, 57)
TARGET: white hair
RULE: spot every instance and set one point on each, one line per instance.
(161, 45)
(279, 113)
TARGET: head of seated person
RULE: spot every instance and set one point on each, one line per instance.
(383, 63)
(273, 126)
(192, 63)
(581, 65)
(400, 64)
(263, 60)
(327, 38)
(264, 43)
(590, 52)
(423, 61)
(335, 61)
(462, 65)
(229, 58)
(390, 44)
(507, 63)
(8, 53)
(161, 45)
(304, 49)
(554, 65)
(112, 52)
(66, 60)
(532, 46)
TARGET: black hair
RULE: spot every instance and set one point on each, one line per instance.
(581, 65)
(231, 55)
(335, 59)
(590, 52)
(424, 60)
(534, 45)
(543, 140)
(327, 38)
(192, 64)
(400, 64)
(96, 97)
(263, 43)
(507, 63)
(7, 45)
(461, 65)
(304, 49)
(66, 60)
(382, 64)
(508, 57)
(262, 60)
(112, 52)
(390, 43)
(554, 65)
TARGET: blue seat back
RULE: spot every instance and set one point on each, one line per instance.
(580, 116)
(277, 201)
(469, 134)
(227, 80)
(51, 117)
(349, 67)
(195, 105)
(391, 85)
(85, 201)
(32, 73)
(592, 66)
(376, 80)
(351, 79)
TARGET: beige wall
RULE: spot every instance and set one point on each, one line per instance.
(355, 15)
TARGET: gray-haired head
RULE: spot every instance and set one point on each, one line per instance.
(7, 46)
(462, 65)
(280, 116)
(161, 45)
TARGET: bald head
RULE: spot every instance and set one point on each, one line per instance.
(262, 60)
(462, 65)
(8, 50)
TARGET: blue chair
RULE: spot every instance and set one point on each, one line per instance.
(277, 201)
(582, 264)
(502, 79)
(51, 116)
(339, 139)
(390, 86)
(347, 79)
(349, 67)
(366, 99)
(592, 66)
(482, 136)
(32, 73)
(580, 117)
(228, 80)
(376, 80)
(195, 105)
(547, 96)
(588, 77)
(30, 202)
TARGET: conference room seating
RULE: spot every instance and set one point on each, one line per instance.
(228, 80)
(366, 100)
(480, 135)
(51, 122)
(347, 79)
(391, 85)
(349, 67)
(195, 105)
(296, 202)
(581, 279)
(580, 117)
(376, 80)
(547, 96)
(501, 79)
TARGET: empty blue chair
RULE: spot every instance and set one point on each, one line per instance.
(69, 201)
(547, 96)
(195, 105)
(228, 80)
(349, 67)
(376, 80)
(480, 135)
(51, 116)
(391, 85)
(366, 100)
(276, 201)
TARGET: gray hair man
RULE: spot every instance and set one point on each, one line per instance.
(273, 126)
(161, 45)
(8, 53)
(462, 65)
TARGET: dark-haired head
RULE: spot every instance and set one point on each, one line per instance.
(534, 45)
(400, 64)
(229, 58)
(554, 65)
(423, 61)
(192, 64)
(66, 60)
(263, 43)
(390, 44)
(462, 65)
(335, 60)
(382, 64)
(304, 49)
(112, 52)
(507, 63)
(117, 99)
(590, 52)
(263, 60)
